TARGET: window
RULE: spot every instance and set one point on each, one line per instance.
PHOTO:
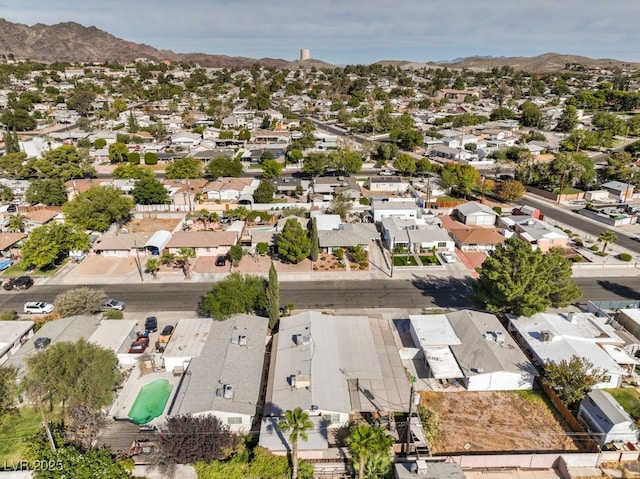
(442, 244)
(234, 420)
(332, 418)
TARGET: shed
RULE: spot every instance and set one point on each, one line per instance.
(603, 416)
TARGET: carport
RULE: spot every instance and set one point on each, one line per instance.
(157, 242)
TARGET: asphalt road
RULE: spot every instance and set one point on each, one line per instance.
(573, 219)
(421, 292)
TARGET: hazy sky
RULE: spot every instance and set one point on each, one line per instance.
(350, 31)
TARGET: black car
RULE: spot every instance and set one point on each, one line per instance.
(41, 343)
(221, 260)
(21, 282)
(151, 324)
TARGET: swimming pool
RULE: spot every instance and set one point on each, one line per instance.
(262, 229)
(150, 401)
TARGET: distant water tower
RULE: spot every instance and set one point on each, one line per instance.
(305, 54)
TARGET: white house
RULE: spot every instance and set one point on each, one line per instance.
(416, 234)
(554, 337)
(187, 341)
(606, 419)
(224, 379)
(397, 208)
(473, 349)
(475, 214)
(13, 334)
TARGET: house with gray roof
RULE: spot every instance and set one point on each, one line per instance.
(475, 214)
(348, 235)
(224, 379)
(416, 234)
(13, 334)
(606, 419)
(538, 233)
(473, 349)
(333, 366)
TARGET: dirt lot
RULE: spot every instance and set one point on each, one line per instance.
(496, 421)
(151, 225)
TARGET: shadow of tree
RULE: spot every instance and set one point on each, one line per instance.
(619, 289)
(445, 292)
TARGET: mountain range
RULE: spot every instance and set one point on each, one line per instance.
(72, 42)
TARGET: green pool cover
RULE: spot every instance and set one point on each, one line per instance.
(151, 401)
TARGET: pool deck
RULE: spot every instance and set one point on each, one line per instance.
(132, 386)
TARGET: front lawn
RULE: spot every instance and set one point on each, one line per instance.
(429, 260)
(20, 269)
(404, 261)
(629, 399)
(14, 429)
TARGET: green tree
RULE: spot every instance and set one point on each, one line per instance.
(235, 253)
(407, 138)
(530, 115)
(49, 244)
(51, 192)
(296, 423)
(271, 169)
(150, 158)
(405, 164)
(237, 293)
(13, 165)
(264, 192)
(516, 279)
(17, 223)
(568, 120)
(65, 162)
(462, 178)
(367, 442)
(224, 167)
(501, 113)
(78, 301)
(189, 439)
(118, 152)
(341, 205)
(510, 190)
(273, 297)
(99, 143)
(129, 171)
(184, 168)
(98, 208)
(18, 119)
(315, 244)
(315, 163)
(294, 244)
(8, 390)
(607, 237)
(67, 372)
(133, 158)
(345, 161)
(6, 193)
(149, 191)
(573, 379)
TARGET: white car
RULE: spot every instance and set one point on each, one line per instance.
(448, 257)
(37, 307)
(386, 173)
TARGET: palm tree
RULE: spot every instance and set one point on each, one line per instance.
(298, 423)
(153, 265)
(183, 258)
(606, 237)
(367, 442)
(17, 223)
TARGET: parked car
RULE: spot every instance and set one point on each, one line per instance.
(21, 283)
(151, 324)
(41, 343)
(635, 238)
(448, 257)
(166, 333)
(5, 263)
(221, 260)
(109, 303)
(386, 173)
(37, 307)
(139, 345)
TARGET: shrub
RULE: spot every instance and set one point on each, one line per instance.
(625, 257)
(113, 314)
(77, 301)
(262, 248)
(150, 158)
(576, 259)
(497, 209)
(595, 247)
(8, 316)
(365, 201)
(339, 254)
(134, 158)
(568, 231)
(578, 242)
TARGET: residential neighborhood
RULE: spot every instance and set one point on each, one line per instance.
(491, 192)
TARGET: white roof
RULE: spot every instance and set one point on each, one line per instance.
(188, 338)
(159, 239)
(442, 363)
(328, 222)
(11, 331)
(433, 330)
(111, 334)
(619, 354)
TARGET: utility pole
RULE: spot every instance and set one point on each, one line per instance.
(138, 264)
(407, 443)
(45, 424)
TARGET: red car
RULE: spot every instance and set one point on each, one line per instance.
(139, 345)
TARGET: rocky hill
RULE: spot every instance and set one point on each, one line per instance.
(72, 42)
